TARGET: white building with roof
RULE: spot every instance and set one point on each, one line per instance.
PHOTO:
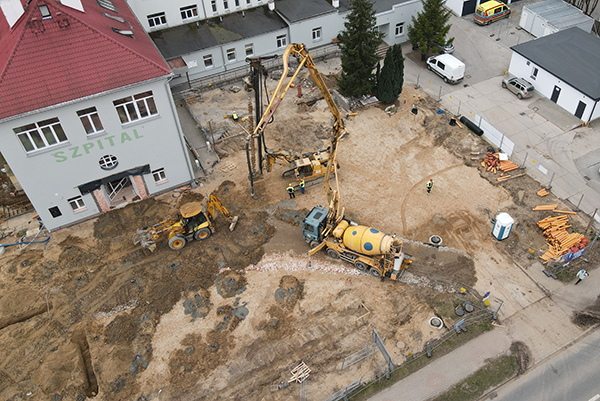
(564, 68)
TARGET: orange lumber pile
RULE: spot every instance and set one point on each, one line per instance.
(492, 163)
(507, 165)
(558, 239)
(545, 207)
(542, 192)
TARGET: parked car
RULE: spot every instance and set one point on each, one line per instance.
(519, 86)
(451, 69)
(446, 49)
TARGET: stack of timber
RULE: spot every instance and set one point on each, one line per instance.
(542, 192)
(559, 240)
(492, 163)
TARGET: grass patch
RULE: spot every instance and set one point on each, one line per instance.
(492, 374)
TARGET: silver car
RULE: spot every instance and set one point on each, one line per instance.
(519, 86)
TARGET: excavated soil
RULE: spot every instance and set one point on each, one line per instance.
(94, 316)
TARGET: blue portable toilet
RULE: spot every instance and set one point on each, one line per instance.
(502, 226)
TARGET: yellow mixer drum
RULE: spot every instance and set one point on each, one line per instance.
(367, 240)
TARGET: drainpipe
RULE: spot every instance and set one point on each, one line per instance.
(179, 129)
(592, 113)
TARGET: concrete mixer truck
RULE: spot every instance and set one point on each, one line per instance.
(368, 249)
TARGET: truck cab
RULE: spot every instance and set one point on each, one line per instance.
(314, 224)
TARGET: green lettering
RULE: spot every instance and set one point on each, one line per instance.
(110, 140)
(87, 147)
(60, 156)
(75, 154)
(135, 134)
(125, 137)
(99, 142)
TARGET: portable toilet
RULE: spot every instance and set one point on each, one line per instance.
(502, 226)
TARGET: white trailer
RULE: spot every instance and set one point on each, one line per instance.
(547, 17)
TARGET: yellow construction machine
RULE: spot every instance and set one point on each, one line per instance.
(310, 166)
(195, 222)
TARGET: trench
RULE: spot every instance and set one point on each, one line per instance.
(80, 339)
(18, 318)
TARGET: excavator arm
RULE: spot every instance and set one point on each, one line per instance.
(215, 204)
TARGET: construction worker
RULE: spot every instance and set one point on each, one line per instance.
(429, 186)
(302, 186)
(581, 274)
(290, 190)
(234, 115)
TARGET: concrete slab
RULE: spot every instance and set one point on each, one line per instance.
(543, 326)
(510, 126)
(552, 112)
(497, 115)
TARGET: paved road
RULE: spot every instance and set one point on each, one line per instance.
(573, 375)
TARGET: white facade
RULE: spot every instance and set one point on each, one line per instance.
(394, 23)
(553, 88)
(158, 14)
(55, 177)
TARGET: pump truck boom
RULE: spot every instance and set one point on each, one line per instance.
(367, 248)
(195, 222)
(310, 166)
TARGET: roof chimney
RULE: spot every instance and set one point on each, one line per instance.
(76, 4)
(12, 9)
(271, 5)
(335, 3)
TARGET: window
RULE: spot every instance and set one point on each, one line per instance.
(159, 175)
(157, 19)
(230, 54)
(45, 12)
(399, 28)
(108, 162)
(135, 107)
(41, 134)
(316, 34)
(188, 12)
(281, 41)
(107, 4)
(77, 204)
(55, 212)
(237, 3)
(534, 73)
(208, 61)
(225, 5)
(114, 17)
(248, 1)
(213, 3)
(90, 120)
(249, 50)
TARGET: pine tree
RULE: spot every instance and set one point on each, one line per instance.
(359, 42)
(428, 31)
(391, 78)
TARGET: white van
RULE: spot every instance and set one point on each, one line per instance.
(448, 67)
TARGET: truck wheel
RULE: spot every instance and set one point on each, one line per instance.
(445, 80)
(374, 272)
(314, 244)
(176, 243)
(428, 67)
(332, 253)
(202, 234)
(360, 265)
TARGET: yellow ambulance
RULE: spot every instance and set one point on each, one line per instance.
(491, 11)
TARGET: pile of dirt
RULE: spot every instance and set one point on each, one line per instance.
(588, 317)
(522, 354)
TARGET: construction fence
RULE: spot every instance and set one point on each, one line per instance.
(474, 309)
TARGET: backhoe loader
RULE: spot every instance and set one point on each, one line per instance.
(195, 222)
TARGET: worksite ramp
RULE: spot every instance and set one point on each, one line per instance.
(547, 17)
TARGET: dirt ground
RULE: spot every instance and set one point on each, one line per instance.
(95, 317)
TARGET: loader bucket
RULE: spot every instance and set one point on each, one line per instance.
(233, 222)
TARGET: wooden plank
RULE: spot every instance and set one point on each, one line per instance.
(564, 211)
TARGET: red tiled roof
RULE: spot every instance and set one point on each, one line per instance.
(71, 55)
